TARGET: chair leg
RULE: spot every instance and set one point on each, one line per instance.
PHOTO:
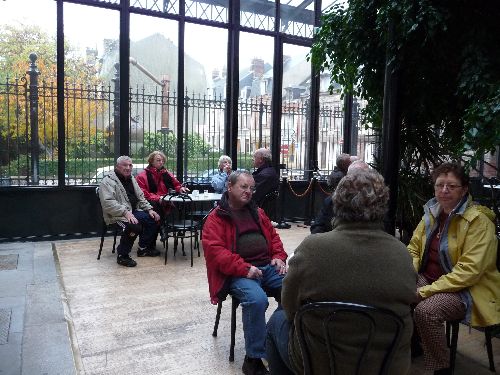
(114, 240)
(489, 348)
(102, 241)
(191, 248)
(234, 306)
(217, 319)
(165, 246)
(453, 347)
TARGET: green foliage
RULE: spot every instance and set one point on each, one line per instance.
(446, 56)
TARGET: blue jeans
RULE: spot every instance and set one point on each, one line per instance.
(277, 343)
(253, 301)
(146, 229)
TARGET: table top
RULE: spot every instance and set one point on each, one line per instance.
(488, 186)
(201, 197)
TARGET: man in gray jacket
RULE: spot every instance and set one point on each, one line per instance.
(123, 202)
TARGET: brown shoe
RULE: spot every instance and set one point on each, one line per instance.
(254, 366)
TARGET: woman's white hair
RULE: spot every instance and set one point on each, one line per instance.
(224, 158)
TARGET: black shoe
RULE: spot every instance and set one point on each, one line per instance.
(253, 366)
(147, 252)
(125, 260)
(443, 371)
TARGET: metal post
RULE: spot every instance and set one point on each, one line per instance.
(33, 98)
(282, 224)
(391, 129)
(310, 209)
(116, 112)
(346, 146)
(261, 114)
(186, 116)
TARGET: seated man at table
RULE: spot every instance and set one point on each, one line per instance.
(266, 178)
(123, 203)
(244, 257)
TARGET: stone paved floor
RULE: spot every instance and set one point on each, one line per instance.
(152, 319)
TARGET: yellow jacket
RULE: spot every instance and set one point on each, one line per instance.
(467, 253)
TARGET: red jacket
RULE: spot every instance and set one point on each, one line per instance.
(219, 247)
(142, 180)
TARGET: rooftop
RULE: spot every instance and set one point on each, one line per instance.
(64, 312)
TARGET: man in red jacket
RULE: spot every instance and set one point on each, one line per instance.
(245, 258)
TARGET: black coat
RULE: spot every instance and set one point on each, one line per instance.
(266, 181)
(323, 221)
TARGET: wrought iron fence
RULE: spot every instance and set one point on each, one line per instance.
(29, 136)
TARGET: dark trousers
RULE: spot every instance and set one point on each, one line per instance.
(146, 229)
(277, 344)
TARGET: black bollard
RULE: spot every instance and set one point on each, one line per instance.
(282, 224)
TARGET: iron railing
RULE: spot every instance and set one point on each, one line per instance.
(29, 144)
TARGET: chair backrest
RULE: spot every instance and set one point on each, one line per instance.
(338, 320)
(99, 200)
(268, 204)
(493, 182)
(181, 215)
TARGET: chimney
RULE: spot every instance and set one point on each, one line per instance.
(257, 67)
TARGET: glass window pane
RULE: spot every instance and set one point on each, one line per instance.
(90, 75)
(208, 9)
(297, 18)
(331, 126)
(260, 14)
(28, 140)
(153, 85)
(162, 6)
(296, 109)
(206, 80)
(254, 103)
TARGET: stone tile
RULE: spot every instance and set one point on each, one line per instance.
(13, 282)
(17, 306)
(43, 304)
(47, 350)
(10, 355)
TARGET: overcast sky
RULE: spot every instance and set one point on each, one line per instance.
(86, 26)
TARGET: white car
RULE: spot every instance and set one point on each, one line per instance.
(103, 171)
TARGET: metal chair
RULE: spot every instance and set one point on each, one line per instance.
(115, 228)
(276, 293)
(180, 224)
(329, 313)
(452, 328)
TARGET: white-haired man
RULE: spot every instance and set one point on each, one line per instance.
(123, 202)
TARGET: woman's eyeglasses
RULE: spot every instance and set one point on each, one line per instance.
(450, 187)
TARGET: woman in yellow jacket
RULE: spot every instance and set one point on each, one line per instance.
(454, 250)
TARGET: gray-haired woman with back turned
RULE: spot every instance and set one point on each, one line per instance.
(356, 262)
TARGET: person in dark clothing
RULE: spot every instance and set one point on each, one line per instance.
(123, 203)
(323, 221)
(339, 171)
(266, 178)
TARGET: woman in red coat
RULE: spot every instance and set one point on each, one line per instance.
(155, 182)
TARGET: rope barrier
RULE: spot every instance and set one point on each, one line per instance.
(326, 192)
(302, 194)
